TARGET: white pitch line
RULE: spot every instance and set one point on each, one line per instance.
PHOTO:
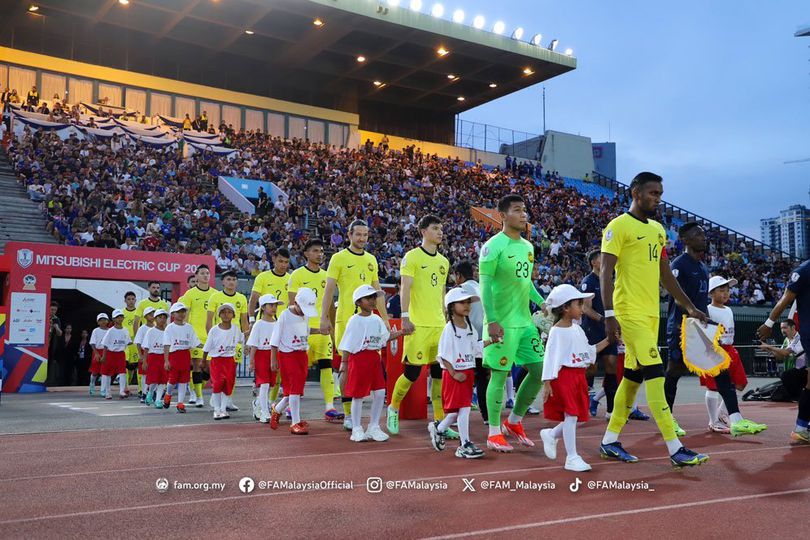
(631, 512)
(359, 484)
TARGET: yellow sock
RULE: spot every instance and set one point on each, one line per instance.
(623, 404)
(401, 388)
(436, 399)
(140, 382)
(347, 408)
(328, 387)
(274, 389)
(199, 389)
(659, 408)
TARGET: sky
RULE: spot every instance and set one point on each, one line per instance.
(713, 96)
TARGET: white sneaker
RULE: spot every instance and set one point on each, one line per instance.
(217, 415)
(200, 402)
(549, 443)
(347, 424)
(358, 435)
(264, 418)
(224, 414)
(376, 434)
(607, 416)
(256, 409)
(576, 464)
(533, 411)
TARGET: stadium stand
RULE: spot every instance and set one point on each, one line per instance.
(126, 194)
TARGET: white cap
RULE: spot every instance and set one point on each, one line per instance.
(177, 306)
(268, 299)
(148, 311)
(160, 312)
(117, 313)
(363, 291)
(458, 294)
(719, 281)
(102, 316)
(306, 298)
(226, 305)
(562, 294)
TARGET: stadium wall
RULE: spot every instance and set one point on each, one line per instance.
(570, 155)
(156, 95)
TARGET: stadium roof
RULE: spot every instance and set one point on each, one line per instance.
(286, 56)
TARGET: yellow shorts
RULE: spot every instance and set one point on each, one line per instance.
(422, 347)
(132, 354)
(320, 348)
(340, 329)
(197, 354)
(640, 336)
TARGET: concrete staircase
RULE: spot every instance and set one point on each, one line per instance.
(20, 218)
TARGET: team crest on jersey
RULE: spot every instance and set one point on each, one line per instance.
(609, 235)
(238, 305)
(660, 239)
(531, 257)
(419, 355)
(794, 277)
(653, 352)
(504, 361)
(323, 284)
(675, 272)
(584, 287)
(370, 267)
(442, 270)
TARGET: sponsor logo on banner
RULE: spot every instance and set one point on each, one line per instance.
(29, 282)
(25, 258)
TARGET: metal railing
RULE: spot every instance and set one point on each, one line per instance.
(681, 213)
(493, 138)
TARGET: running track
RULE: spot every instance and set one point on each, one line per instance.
(102, 484)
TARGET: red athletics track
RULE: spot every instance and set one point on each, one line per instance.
(102, 484)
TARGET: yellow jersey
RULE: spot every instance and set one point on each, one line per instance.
(147, 302)
(350, 270)
(129, 321)
(238, 300)
(429, 273)
(196, 300)
(304, 277)
(639, 247)
(268, 282)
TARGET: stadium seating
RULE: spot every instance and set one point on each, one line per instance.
(133, 196)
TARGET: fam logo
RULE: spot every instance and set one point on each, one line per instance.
(25, 258)
(442, 270)
(531, 257)
(29, 282)
(370, 267)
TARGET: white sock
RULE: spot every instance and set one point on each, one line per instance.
(464, 425)
(635, 403)
(122, 383)
(336, 382)
(192, 391)
(377, 404)
(181, 393)
(449, 418)
(161, 389)
(106, 381)
(264, 398)
(557, 431)
(357, 412)
(569, 432)
(712, 399)
(494, 428)
(609, 437)
(600, 394)
(152, 388)
(295, 406)
(721, 409)
(216, 397)
(93, 379)
(514, 418)
(510, 388)
(169, 389)
(229, 400)
(673, 446)
(282, 404)
(735, 417)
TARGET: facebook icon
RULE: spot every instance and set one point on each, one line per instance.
(247, 485)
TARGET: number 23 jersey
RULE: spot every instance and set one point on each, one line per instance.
(508, 263)
(639, 248)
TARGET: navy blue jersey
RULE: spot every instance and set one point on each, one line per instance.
(799, 284)
(693, 276)
(594, 330)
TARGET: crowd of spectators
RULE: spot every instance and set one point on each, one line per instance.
(118, 194)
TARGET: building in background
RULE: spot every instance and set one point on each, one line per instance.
(790, 232)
